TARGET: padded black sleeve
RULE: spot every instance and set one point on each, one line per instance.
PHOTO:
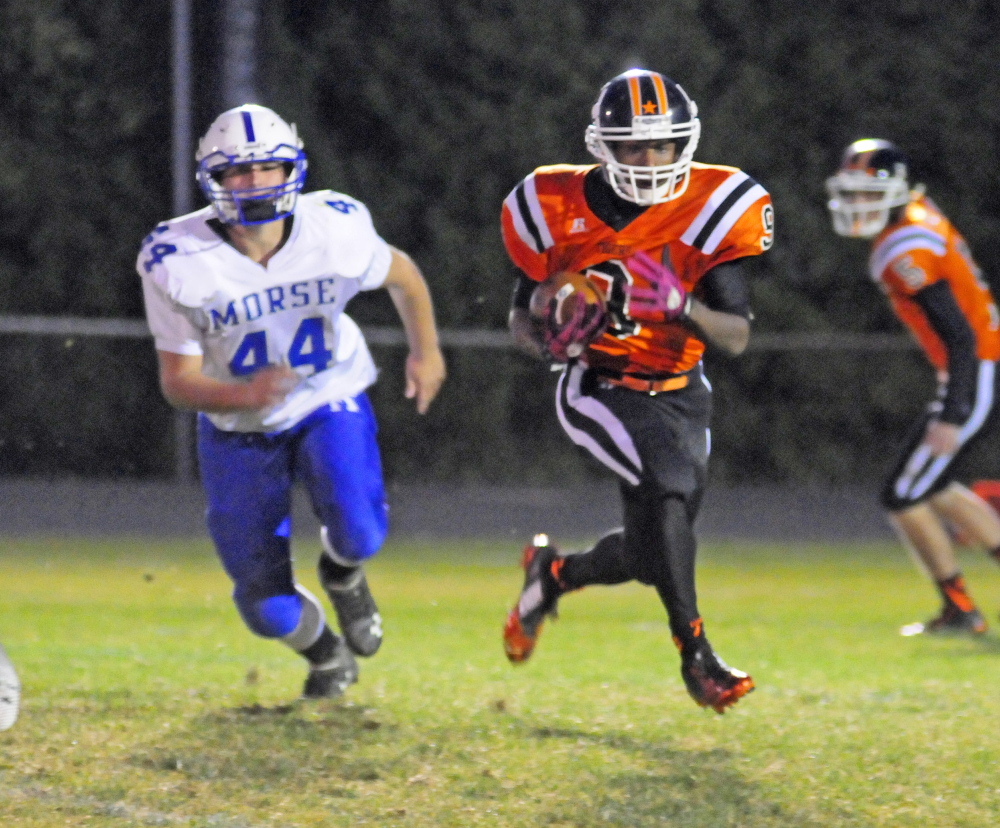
(725, 288)
(942, 311)
(523, 288)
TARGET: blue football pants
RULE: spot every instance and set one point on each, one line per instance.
(248, 479)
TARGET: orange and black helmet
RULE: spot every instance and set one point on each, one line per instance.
(640, 105)
(871, 182)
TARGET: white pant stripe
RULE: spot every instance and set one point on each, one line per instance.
(923, 470)
(600, 414)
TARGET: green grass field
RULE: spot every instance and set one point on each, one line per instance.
(145, 702)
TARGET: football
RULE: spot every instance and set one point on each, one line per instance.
(561, 286)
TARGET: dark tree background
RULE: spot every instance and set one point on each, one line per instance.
(430, 111)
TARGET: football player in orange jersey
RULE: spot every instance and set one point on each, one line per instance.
(663, 237)
(924, 267)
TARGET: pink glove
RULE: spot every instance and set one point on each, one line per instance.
(665, 301)
(569, 340)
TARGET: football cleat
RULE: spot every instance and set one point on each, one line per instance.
(713, 683)
(10, 692)
(359, 618)
(541, 563)
(333, 677)
(951, 621)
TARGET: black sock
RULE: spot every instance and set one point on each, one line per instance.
(323, 648)
(330, 570)
(600, 565)
(670, 561)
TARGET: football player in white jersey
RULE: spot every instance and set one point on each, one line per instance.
(10, 692)
(245, 299)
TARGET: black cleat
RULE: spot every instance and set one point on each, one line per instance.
(332, 678)
(951, 621)
(541, 563)
(360, 622)
(711, 682)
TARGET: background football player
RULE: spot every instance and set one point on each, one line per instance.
(245, 299)
(10, 692)
(663, 237)
(926, 270)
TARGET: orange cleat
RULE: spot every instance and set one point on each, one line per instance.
(541, 563)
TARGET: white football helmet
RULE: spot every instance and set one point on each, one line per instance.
(870, 183)
(640, 105)
(250, 134)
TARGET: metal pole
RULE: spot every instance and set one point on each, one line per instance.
(239, 52)
(183, 149)
(183, 153)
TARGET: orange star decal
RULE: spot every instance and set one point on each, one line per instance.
(649, 108)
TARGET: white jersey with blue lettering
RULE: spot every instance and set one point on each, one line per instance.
(205, 298)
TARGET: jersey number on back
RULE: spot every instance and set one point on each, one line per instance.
(308, 348)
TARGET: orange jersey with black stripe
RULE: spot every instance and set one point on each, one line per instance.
(924, 248)
(549, 227)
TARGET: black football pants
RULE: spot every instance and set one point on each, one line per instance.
(658, 446)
